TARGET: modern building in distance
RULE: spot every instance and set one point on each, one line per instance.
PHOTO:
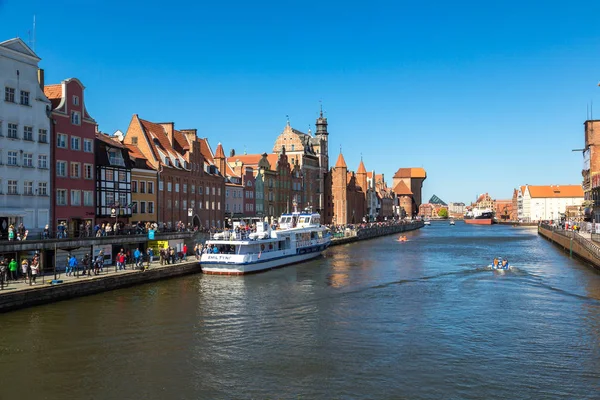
(73, 169)
(25, 152)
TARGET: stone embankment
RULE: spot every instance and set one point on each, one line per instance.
(21, 295)
(351, 235)
(576, 244)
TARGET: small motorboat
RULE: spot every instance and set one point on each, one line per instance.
(427, 222)
(501, 266)
(402, 238)
(452, 222)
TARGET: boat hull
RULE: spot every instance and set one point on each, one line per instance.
(479, 221)
(254, 267)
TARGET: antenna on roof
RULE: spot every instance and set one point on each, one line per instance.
(33, 43)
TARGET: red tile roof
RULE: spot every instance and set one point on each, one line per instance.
(112, 141)
(410, 173)
(54, 94)
(556, 191)
(341, 163)
(136, 154)
(219, 153)
(402, 190)
(361, 168)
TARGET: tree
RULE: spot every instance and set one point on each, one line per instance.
(443, 213)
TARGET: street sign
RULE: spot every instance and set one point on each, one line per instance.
(190, 212)
(113, 212)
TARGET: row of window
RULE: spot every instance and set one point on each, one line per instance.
(236, 207)
(209, 205)
(12, 132)
(12, 159)
(75, 142)
(75, 198)
(142, 186)
(236, 193)
(185, 188)
(27, 189)
(141, 207)
(10, 96)
(75, 170)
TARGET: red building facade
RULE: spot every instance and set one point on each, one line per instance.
(73, 168)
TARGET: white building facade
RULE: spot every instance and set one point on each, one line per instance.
(24, 141)
(548, 203)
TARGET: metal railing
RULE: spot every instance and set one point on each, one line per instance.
(589, 245)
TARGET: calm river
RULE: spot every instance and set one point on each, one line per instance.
(380, 319)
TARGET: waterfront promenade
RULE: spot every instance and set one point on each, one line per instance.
(19, 294)
(579, 244)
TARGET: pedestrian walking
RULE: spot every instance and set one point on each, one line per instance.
(12, 269)
(3, 273)
(24, 268)
(150, 257)
(35, 269)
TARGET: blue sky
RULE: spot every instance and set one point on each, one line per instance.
(485, 97)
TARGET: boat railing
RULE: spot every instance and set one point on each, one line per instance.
(230, 235)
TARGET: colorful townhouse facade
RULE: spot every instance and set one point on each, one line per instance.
(144, 185)
(73, 166)
(25, 150)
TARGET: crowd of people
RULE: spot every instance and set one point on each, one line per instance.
(10, 272)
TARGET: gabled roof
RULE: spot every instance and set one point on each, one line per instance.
(159, 143)
(402, 190)
(410, 173)
(252, 160)
(556, 191)
(19, 46)
(136, 154)
(113, 142)
(219, 153)
(54, 94)
(361, 168)
(341, 163)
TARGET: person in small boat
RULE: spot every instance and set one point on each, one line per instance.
(505, 264)
(495, 263)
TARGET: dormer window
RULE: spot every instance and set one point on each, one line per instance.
(75, 100)
(166, 161)
(177, 163)
(116, 158)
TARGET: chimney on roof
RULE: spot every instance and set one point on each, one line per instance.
(169, 127)
(41, 78)
(190, 135)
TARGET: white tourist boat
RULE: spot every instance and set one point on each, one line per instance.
(299, 237)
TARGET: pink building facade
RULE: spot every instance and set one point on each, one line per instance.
(73, 135)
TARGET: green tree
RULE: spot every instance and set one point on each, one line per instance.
(443, 213)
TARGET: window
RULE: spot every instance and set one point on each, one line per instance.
(88, 198)
(12, 187)
(88, 145)
(28, 133)
(193, 189)
(142, 207)
(213, 205)
(28, 188)
(219, 191)
(207, 204)
(75, 143)
(75, 197)
(226, 193)
(110, 199)
(192, 204)
(199, 205)
(133, 186)
(1, 131)
(134, 208)
(150, 187)
(142, 187)
(218, 205)
(12, 157)
(116, 158)
(169, 204)
(226, 206)
(150, 207)
(43, 188)
(9, 94)
(12, 131)
(168, 186)
(177, 188)
(207, 191)
(61, 197)
(176, 204)
(123, 199)
(134, 140)
(42, 136)
(184, 205)
(185, 188)
(75, 118)
(75, 170)
(160, 185)
(88, 171)
(110, 175)
(24, 98)
(28, 160)
(75, 100)
(122, 176)
(214, 190)
(61, 140)
(61, 168)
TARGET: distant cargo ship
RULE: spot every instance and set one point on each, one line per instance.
(479, 217)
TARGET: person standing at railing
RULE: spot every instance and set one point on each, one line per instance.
(46, 233)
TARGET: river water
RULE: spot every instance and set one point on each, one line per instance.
(379, 319)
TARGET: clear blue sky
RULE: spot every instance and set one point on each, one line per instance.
(485, 96)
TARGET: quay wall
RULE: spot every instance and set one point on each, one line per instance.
(574, 244)
(43, 294)
(51, 293)
(376, 231)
